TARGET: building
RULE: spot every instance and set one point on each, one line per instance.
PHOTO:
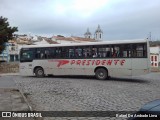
(155, 56)
(88, 34)
(98, 35)
(4, 55)
(13, 52)
(73, 39)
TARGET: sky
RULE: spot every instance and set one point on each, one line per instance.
(118, 19)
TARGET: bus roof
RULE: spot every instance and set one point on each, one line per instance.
(89, 43)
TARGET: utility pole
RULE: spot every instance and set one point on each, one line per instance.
(150, 36)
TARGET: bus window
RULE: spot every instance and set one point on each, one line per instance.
(94, 52)
(46, 53)
(27, 55)
(139, 50)
(71, 52)
(104, 51)
(115, 51)
(87, 52)
(64, 53)
(126, 51)
(52, 53)
(40, 53)
(58, 52)
(78, 52)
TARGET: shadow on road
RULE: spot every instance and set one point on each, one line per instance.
(131, 80)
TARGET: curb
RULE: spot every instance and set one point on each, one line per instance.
(29, 106)
(9, 74)
(25, 99)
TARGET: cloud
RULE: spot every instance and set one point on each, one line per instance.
(120, 19)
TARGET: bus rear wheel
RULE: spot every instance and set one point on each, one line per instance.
(39, 72)
(101, 74)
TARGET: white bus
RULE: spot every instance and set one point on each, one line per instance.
(102, 59)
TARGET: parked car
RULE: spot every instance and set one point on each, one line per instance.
(150, 111)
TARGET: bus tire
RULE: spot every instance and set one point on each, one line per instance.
(101, 74)
(39, 72)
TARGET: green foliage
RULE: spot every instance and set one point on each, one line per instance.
(6, 32)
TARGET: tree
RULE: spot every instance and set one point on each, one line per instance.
(6, 32)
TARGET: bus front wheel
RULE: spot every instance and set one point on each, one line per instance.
(101, 74)
(39, 72)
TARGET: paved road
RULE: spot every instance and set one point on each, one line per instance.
(89, 94)
(7, 82)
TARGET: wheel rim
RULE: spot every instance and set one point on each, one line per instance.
(101, 74)
(40, 72)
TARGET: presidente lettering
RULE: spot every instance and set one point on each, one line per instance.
(89, 62)
(97, 62)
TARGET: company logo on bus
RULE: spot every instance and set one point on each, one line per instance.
(89, 62)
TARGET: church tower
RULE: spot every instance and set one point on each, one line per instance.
(98, 34)
(88, 34)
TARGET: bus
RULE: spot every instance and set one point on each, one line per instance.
(103, 59)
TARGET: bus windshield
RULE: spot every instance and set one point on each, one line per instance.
(26, 55)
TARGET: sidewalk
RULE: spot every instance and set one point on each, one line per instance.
(11, 99)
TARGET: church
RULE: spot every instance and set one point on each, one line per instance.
(98, 35)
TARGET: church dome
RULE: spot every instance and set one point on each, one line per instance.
(87, 33)
(99, 30)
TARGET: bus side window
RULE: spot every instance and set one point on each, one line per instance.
(139, 50)
(94, 52)
(47, 53)
(104, 51)
(87, 52)
(52, 53)
(58, 52)
(115, 51)
(126, 50)
(71, 53)
(38, 52)
(78, 52)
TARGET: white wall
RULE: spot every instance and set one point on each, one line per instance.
(156, 52)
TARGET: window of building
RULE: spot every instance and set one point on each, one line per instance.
(152, 64)
(151, 58)
(11, 58)
(16, 58)
(155, 58)
(155, 64)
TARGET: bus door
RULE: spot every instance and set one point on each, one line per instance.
(122, 60)
(26, 60)
(139, 59)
